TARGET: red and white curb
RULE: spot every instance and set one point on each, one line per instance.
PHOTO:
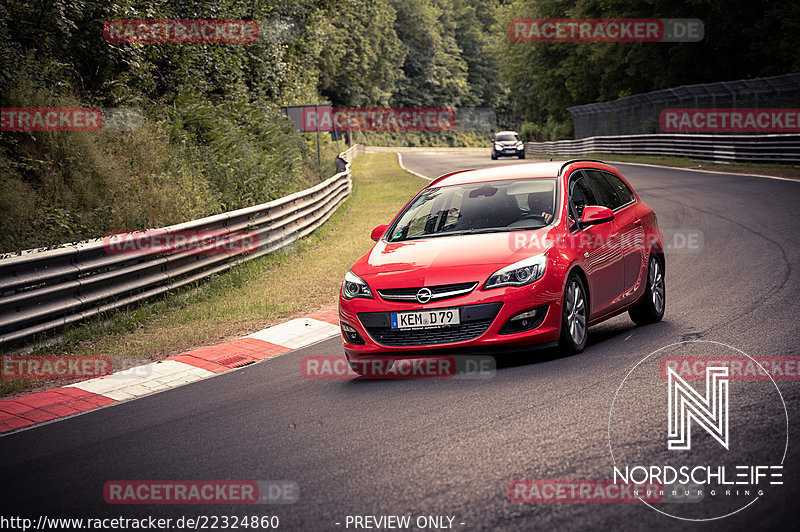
(27, 410)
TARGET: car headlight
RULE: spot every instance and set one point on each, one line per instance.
(354, 286)
(498, 147)
(518, 274)
(521, 147)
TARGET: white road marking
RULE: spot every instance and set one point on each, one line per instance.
(400, 160)
(706, 171)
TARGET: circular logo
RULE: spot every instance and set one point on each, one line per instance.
(424, 295)
(701, 428)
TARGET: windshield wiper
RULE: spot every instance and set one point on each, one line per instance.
(488, 230)
(475, 231)
(429, 235)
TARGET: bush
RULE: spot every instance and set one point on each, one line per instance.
(186, 161)
(550, 130)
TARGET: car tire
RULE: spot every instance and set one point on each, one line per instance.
(522, 155)
(651, 307)
(494, 156)
(574, 316)
(369, 370)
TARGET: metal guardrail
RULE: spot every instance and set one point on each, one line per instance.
(44, 290)
(779, 148)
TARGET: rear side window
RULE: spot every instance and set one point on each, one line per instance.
(622, 190)
(608, 194)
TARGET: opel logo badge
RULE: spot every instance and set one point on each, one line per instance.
(424, 295)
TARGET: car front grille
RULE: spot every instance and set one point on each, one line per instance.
(438, 293)
(475, 320)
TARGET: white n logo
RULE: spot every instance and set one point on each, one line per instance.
(685, 405)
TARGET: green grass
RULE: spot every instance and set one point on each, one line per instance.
(254, 295)
(685, 162)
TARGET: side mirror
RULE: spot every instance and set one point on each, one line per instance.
(377, 233)
(595, 214)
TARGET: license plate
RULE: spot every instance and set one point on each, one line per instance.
(422, 319)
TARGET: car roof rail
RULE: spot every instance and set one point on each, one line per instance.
(567, 163)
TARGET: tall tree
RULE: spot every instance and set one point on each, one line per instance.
(434, 72)
(360, 60)
(743, 39)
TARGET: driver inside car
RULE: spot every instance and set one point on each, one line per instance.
(541, 205)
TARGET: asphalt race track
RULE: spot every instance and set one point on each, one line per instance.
(451, 447)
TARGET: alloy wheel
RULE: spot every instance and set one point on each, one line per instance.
(656, 280)
(576, 313)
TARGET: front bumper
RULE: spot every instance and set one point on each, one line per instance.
(509, 152)
(484, 315)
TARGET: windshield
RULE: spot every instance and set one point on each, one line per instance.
(509, 205)
(506, 138)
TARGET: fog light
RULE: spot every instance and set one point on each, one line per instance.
(525, 317)
(351, 335)
(525, 321)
